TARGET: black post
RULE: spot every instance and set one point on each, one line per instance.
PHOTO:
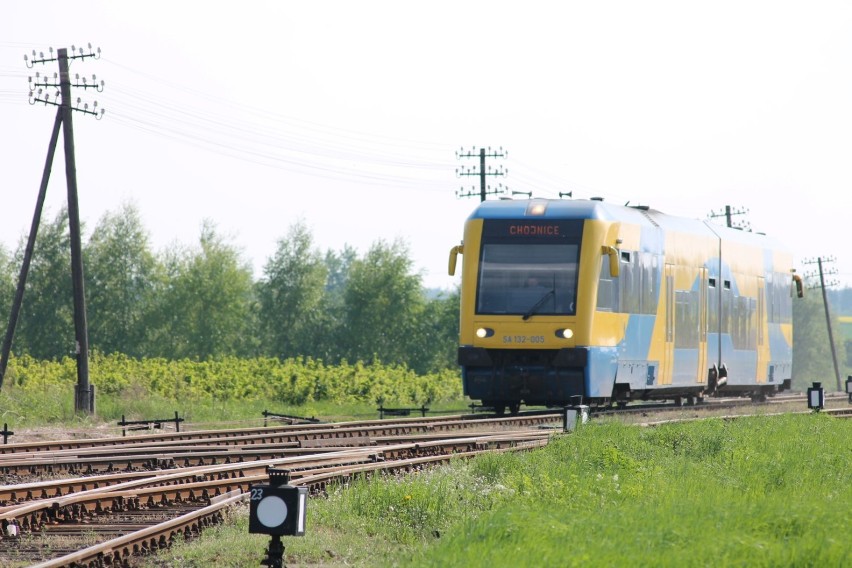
(828, 324)
(275, 553)
(28, 252)
(84, 399)
(6, 433)
(482, 173)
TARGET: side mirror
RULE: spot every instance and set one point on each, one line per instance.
(800, 290)
(612, 252)
(454, 255)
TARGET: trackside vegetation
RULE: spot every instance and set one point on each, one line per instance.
(38, 392)
(759, 491)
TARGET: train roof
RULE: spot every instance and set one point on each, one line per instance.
(601, 210)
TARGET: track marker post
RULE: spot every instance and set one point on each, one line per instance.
(575, 415)
(816, 397)
(277, 509)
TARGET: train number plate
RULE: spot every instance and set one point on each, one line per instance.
(523, 339)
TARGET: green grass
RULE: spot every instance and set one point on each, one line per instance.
(763, 491)
(846, 327)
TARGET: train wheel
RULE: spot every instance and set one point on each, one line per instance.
(514, 408)
(499, 409)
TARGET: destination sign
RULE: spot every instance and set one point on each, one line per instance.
(534, 230)
(526, 229)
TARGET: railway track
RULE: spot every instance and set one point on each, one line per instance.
(148, 497)
(104, 502)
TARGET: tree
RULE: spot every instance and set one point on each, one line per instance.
(437, 336)
(46, 324)
(812, 361)
(8, 275)
(338, 265)
(291, 296)
(120, 278)
(383, 304)
(205, 301)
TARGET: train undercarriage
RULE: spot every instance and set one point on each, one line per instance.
(510, 379)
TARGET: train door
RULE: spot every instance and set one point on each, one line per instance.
(666, 367)
(702, 325)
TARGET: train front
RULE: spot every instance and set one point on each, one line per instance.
(523, 309)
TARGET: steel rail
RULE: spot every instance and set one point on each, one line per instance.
(117, 551)
(91, 460)
(193, 483)
(287, 433)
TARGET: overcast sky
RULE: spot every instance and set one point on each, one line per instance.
(347, 115)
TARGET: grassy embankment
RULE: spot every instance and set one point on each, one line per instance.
(763, 491)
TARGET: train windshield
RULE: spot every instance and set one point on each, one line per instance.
(528, 279)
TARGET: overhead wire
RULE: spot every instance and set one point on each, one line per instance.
(260, 136)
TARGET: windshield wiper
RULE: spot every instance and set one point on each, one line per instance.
(540, 303)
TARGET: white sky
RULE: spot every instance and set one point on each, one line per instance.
(347, 115)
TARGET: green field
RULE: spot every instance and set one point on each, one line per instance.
(845, 327)
(762, 491)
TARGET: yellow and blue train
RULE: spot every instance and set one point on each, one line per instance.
(580, 298)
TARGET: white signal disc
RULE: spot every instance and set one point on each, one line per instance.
(272, 511)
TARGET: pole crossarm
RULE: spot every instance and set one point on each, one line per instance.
(482, 172)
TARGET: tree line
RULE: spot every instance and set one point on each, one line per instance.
(203, 302)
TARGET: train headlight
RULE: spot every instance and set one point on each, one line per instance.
(565, 333)
(484, 332)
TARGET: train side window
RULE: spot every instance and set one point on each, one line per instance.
(712, 306)
(727, 308)
(651, 266)
(631, 297)
(607, 289)
(686, 319)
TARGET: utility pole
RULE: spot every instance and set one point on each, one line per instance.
(482, 172)
(28, 252)
(84, 399)
(822, 284)
(728, 214)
